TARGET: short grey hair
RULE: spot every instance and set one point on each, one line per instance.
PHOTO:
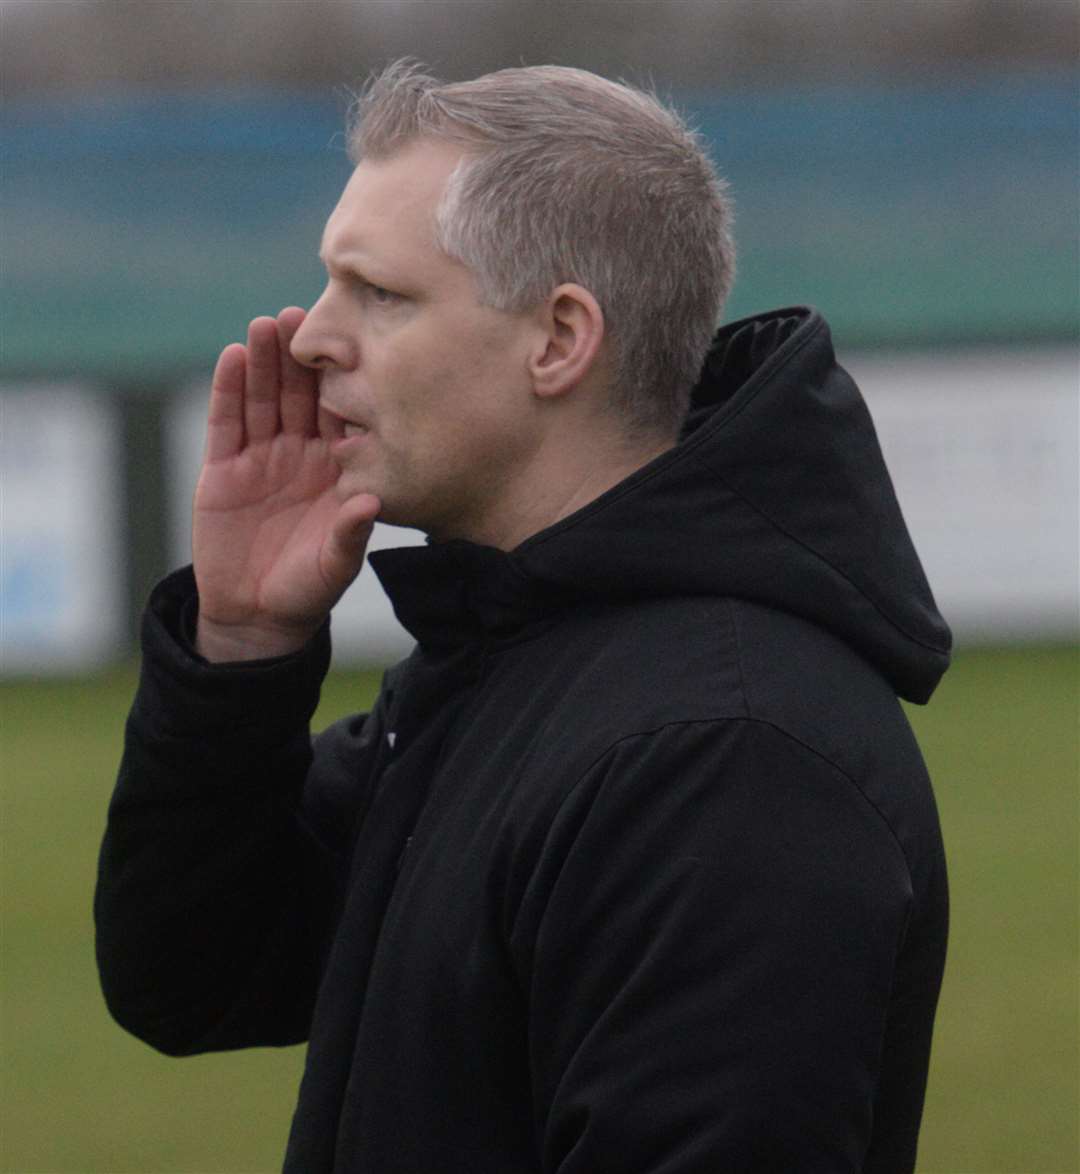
(569, 177)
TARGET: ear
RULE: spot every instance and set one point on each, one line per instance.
(573, 331)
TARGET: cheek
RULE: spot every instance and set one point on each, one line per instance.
(462, 380)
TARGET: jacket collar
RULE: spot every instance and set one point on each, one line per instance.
(455, 593)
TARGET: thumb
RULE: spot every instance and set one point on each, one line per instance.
(342, 553)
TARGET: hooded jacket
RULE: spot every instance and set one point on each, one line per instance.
(635, 866)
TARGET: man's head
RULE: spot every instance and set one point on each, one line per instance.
(524, 272)
(569, 177)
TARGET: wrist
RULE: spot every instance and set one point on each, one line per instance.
(230, 643)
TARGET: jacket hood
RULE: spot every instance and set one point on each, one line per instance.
(777, 493)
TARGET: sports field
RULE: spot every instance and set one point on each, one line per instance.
(78, 1095)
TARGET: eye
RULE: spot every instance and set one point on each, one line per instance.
(369, 291)
(377, 294)
(380, 295)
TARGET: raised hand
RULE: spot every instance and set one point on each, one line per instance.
(274, 544)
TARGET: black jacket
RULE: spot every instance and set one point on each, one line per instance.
(635, 867)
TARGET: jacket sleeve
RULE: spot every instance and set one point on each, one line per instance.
(708, 947)
(224, 856)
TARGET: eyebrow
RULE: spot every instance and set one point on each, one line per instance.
(325, 261)
(359, 258)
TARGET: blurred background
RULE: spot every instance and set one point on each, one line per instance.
(908, 166)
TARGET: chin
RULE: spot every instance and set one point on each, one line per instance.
(435, 511)
(397, 513)
(404, 524)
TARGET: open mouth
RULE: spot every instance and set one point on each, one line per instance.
(335, 426)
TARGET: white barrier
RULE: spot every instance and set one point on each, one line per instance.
(983, 447)
(61, 555)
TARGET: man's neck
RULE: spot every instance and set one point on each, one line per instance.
(558, 483)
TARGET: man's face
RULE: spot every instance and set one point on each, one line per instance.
(430, 388)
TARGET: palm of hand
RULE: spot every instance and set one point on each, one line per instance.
(274, 544)
(260, 523)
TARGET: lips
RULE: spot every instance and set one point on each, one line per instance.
(336, 425)
(347, 439)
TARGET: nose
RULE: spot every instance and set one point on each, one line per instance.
(322, 341)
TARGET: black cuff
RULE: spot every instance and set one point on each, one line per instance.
(180, 691)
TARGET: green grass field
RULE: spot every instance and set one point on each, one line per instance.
(79, 1095)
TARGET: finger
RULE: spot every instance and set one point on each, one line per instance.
(225, 415)
(262, 386)
(343, 551)
(299, 384)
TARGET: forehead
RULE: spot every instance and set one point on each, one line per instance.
(392, 199)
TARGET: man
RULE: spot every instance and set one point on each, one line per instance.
(635, 865)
